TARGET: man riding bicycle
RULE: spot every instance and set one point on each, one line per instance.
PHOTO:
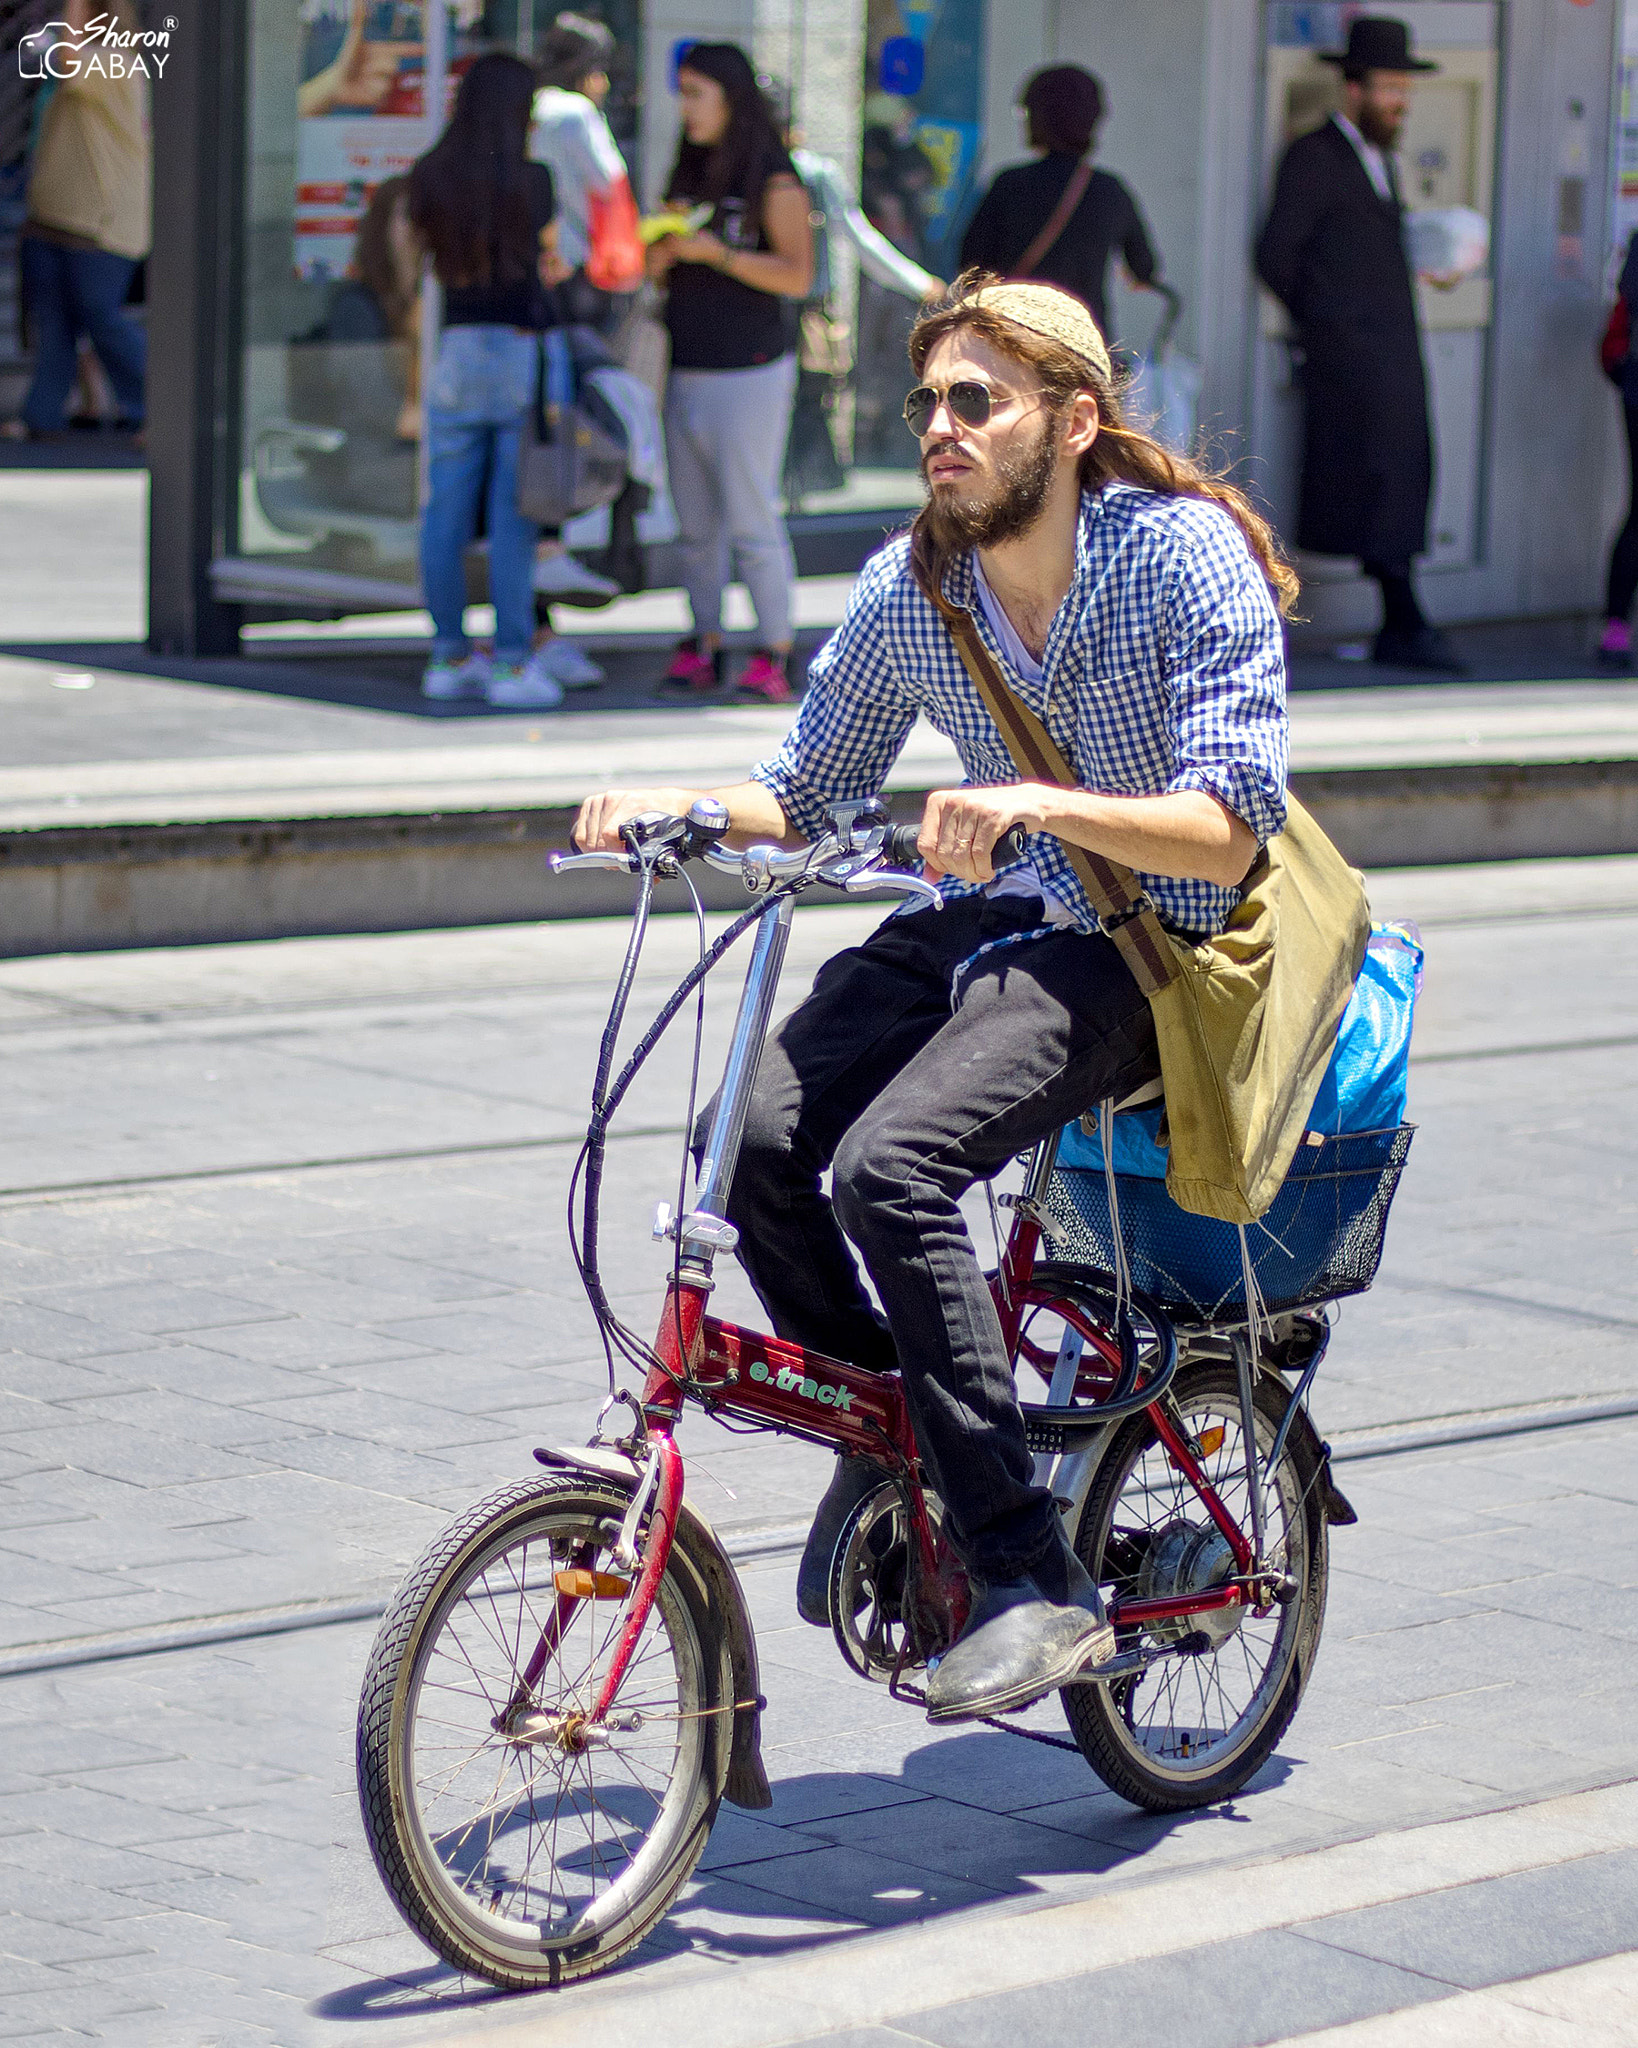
(1133, 602)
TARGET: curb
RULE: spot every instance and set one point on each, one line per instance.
(96, 887)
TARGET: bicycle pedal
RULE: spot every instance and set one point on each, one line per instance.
(1127, 1664)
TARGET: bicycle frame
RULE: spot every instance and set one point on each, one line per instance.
(767, 1382)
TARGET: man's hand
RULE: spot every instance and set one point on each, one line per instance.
(597, 827)
(959, 827)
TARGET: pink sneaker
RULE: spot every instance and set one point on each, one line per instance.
(765, 680)
(692, 673)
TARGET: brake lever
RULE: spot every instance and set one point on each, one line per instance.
(867, 879)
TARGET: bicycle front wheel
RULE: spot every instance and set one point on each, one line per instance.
(520, 1842)
(1206, 1716)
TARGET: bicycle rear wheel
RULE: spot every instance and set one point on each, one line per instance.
(520, 1843)
(1201, 1721)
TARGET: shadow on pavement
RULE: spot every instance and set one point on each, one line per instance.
(942, 1856)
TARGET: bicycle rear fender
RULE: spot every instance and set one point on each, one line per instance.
(747, 1781)
(1340, 1511)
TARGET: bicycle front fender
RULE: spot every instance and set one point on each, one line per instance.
(747, 1782)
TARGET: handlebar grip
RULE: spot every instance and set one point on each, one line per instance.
(901, 847)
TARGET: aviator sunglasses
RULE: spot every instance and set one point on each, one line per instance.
(969, 401)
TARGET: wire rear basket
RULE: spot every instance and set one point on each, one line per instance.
(1321, 1238)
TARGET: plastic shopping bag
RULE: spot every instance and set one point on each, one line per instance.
(1365, 1085)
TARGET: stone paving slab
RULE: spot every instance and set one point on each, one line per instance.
(182, 1847)
(260, 1380)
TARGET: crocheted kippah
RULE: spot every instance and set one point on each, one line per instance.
(1057, 315)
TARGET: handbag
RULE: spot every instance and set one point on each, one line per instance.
(1056, 221)
(1246, 1020)
(572, 456)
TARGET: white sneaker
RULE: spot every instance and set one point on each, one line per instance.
(561, 575)
(448, 681)
(571, 665)
(529, 687)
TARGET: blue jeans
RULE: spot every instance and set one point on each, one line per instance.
(70, 293)
(482, 387)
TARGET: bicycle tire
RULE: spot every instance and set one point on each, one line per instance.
(420, 1850)
(1169, 1768)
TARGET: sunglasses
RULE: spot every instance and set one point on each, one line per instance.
(970, 403)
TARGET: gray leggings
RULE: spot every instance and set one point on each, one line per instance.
(725, 434)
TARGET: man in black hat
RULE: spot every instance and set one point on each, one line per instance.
(1334, 253)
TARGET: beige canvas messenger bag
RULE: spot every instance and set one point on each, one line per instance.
(1246, 1020)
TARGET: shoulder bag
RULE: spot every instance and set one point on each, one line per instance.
(1056, 221)
(1245, 1020)
(572, 456)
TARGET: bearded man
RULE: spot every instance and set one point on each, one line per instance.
(1333, 253)
(1132, 601)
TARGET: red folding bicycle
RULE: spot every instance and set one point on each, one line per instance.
(565, 1686)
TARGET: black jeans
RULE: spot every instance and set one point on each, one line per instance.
(910, 1105)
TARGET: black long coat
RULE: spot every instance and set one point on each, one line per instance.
(1334, 253)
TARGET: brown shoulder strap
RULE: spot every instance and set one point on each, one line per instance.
(1124, 912)
(1056, 221)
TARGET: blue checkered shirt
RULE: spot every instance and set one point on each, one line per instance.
(1164, 670)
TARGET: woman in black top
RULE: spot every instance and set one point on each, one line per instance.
(483, 213)
(733, 367)
(1065, 107)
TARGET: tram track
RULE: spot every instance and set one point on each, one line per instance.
(546, 1141)
(768, 1541)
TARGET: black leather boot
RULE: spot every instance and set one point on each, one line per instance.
(1023, 1639)
(852, 1480)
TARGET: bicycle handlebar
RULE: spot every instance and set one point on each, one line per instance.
(858, 855)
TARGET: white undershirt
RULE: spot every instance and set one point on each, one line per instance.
(1025, 878)
(1374, 159)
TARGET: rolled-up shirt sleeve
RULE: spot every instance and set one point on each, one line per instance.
(854, 718)
(1225, 674)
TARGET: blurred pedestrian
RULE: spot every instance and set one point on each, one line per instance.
(597, 239)
(733, 366)
(88, 224)
(1333, 252)
(596, 214)
(1058, 219)
(824, 340)
(1615, 644)
(380, 297)
(896, 183)
(483, 211)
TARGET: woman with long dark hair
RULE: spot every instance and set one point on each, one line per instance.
(483, 212)
(733, 366)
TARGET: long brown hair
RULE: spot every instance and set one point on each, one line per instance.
(1121, 452)
(469, 195)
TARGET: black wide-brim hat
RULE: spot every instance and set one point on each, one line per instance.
(1376, 42)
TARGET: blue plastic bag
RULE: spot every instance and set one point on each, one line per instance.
(1364, 1086)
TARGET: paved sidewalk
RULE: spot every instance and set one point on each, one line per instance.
(183, 1867)
(283, 1281)
(90, 745)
